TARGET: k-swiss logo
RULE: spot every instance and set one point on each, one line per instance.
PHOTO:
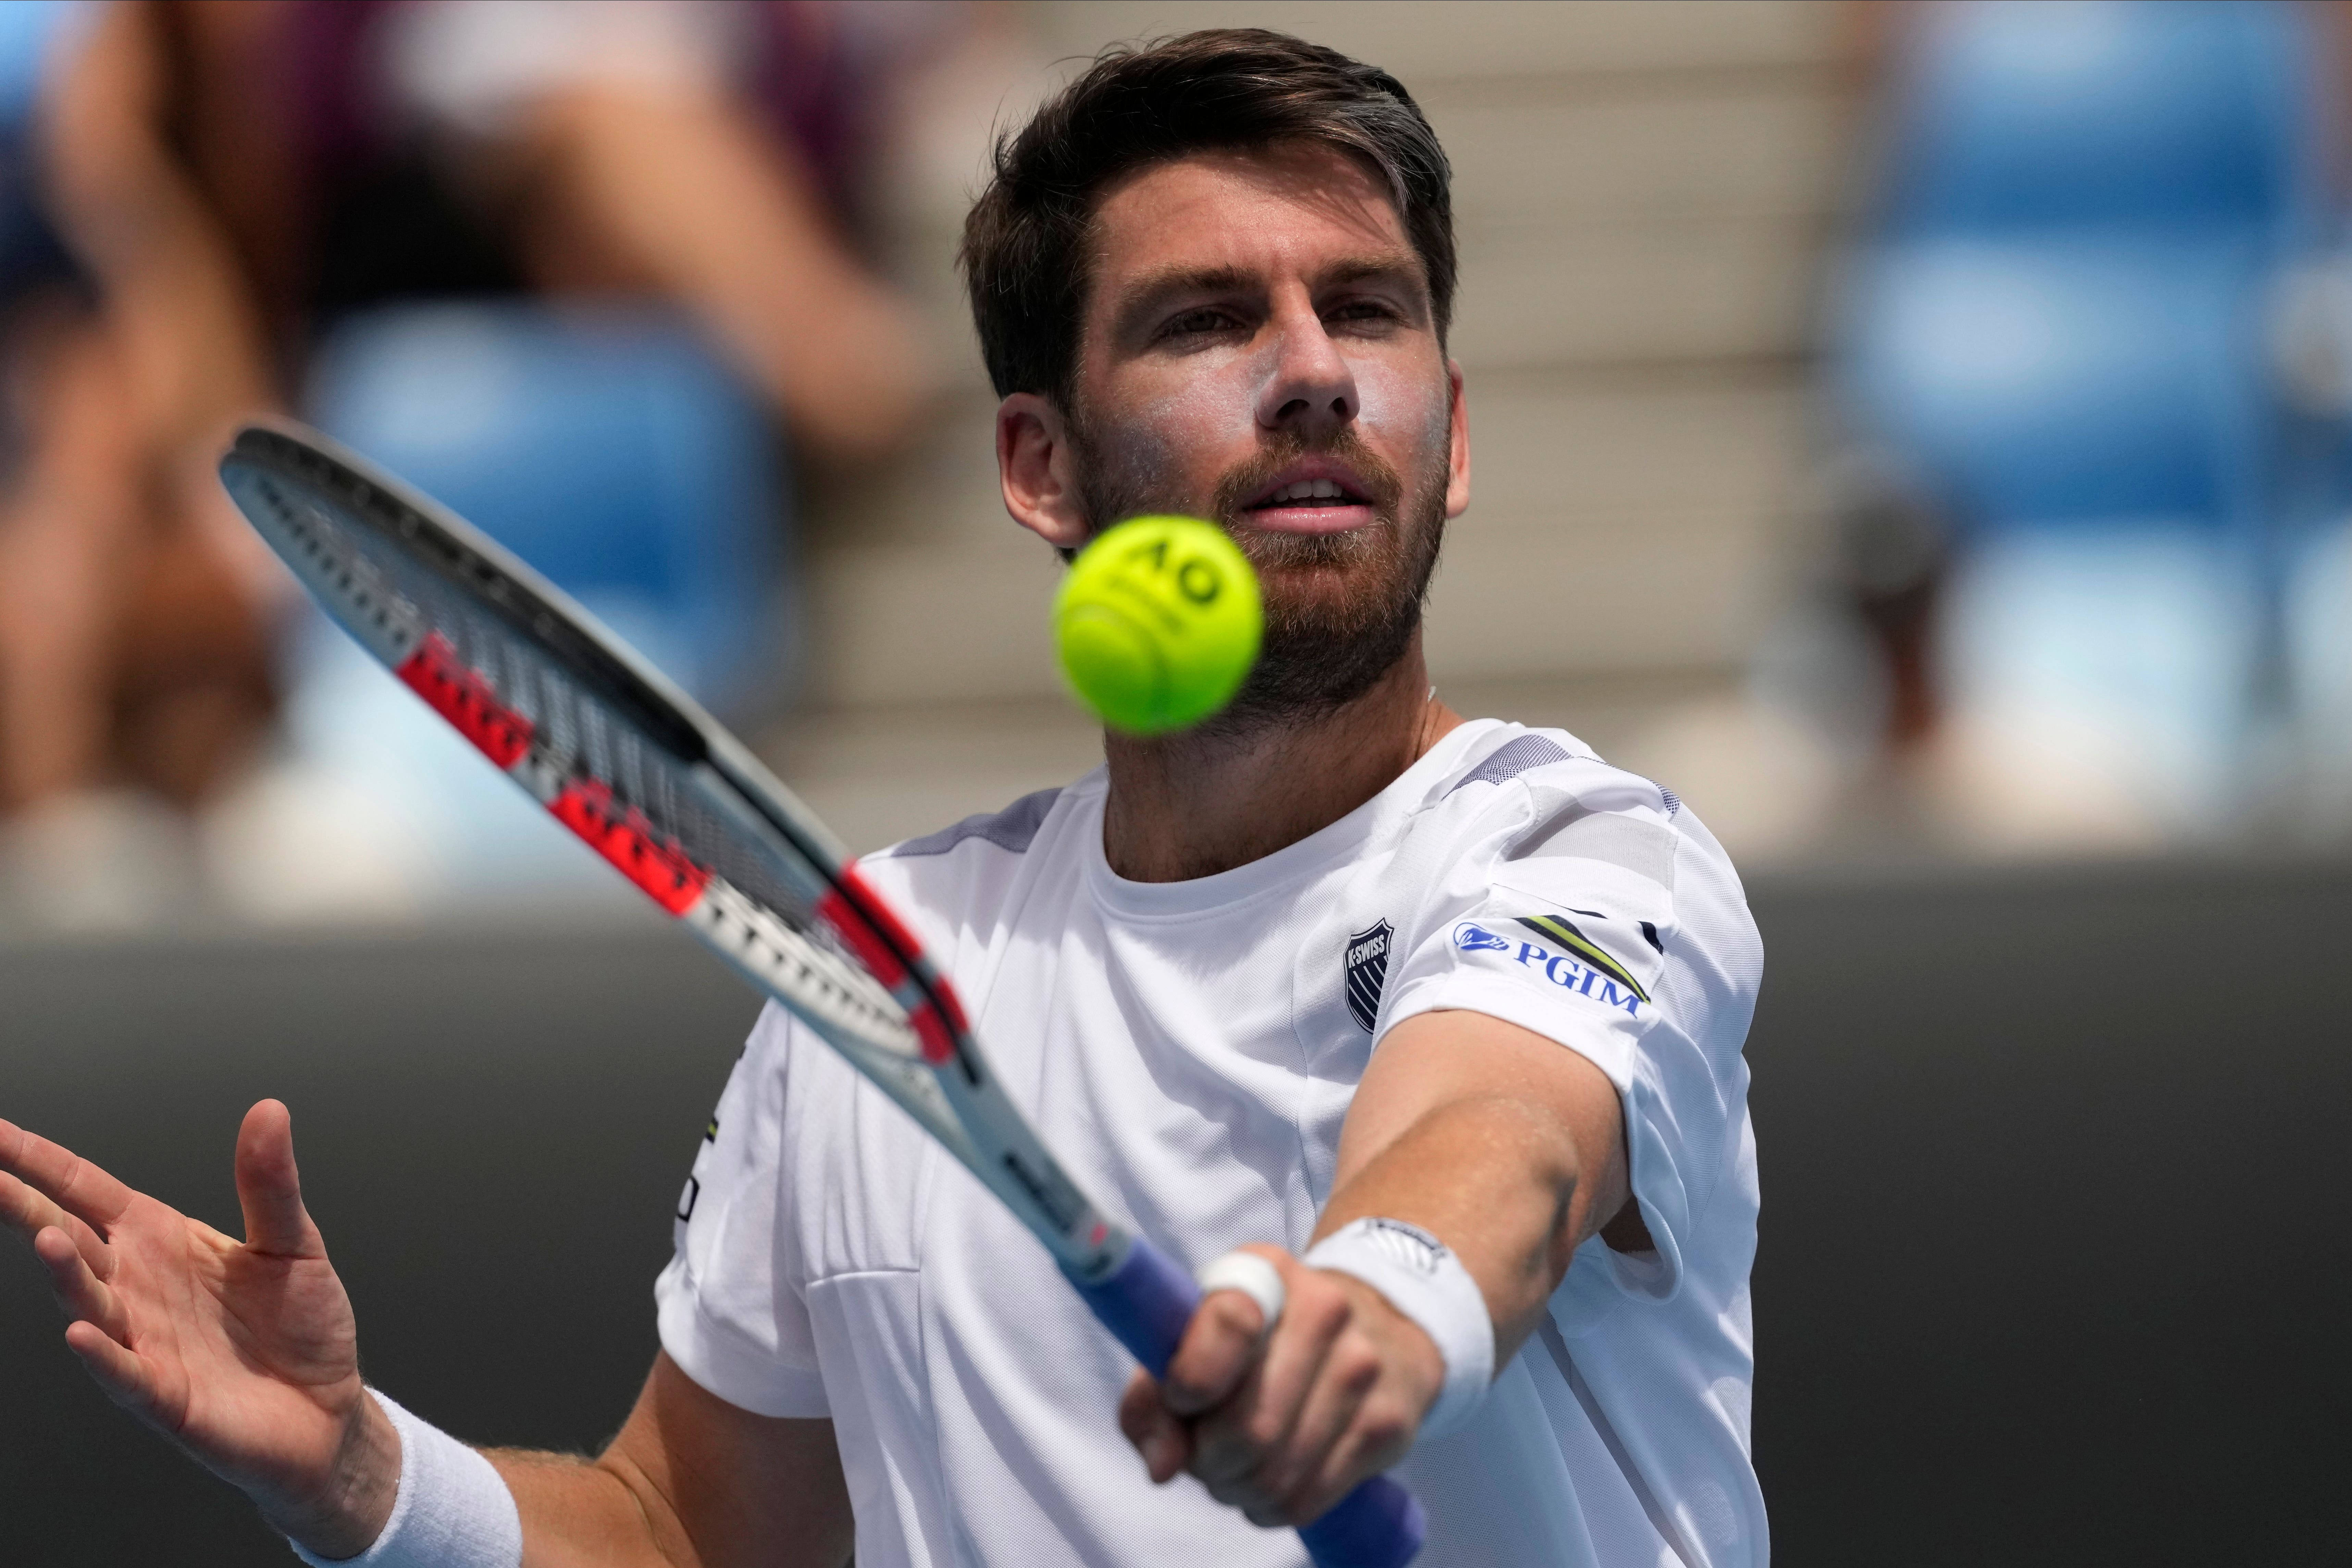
(1368, 971)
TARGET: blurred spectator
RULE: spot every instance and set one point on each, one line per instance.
(2065, 516)
(134, 666)
(677, 187)
(708, 153)
(392, 179)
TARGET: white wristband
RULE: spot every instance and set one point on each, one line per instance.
(453, 1510)
(1422, 1279)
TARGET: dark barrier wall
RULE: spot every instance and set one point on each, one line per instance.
(493, 1133)
(2055, 1227)
(2057, 1232)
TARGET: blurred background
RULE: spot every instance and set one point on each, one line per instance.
(1919, 433)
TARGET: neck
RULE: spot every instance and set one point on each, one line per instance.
(1192, 806)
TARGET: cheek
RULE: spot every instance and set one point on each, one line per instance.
(1200, 419)
(1220, 400)
(1400, 415)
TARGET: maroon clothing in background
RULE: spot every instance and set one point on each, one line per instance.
(291, 124)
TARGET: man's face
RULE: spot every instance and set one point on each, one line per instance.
(1258, 348)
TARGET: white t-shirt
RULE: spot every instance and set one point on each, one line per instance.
(1189, 1050)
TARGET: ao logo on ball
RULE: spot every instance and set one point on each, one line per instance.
(1157, 623)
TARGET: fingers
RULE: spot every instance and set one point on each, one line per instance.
(1279, 1424)
(126, 1379)
(66, 1178)
(270, 1188)
(1322, 1409)
(79, 1292)
(1158, 1434)
(1231, 1446)
(29, 1213)
(1218, 1355)
(1341, 1423)
(1219, 1347)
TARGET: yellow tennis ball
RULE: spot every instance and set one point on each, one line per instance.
(1158, 623)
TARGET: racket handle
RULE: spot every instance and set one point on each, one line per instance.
(1146, 1304)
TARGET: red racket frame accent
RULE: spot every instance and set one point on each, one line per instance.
(881, 941)
(434, 673)
(623, 836)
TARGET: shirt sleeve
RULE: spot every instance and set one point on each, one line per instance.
(1611, 922)
(731, 1316)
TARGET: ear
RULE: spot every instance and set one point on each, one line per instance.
(1037, 469)
(1457, 456)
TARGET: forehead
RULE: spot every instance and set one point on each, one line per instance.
(1294, 208)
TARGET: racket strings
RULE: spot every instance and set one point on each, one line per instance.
(579, 734)
(563, 712)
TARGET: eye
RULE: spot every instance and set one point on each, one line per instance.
(1376, 311)
(1194, 322)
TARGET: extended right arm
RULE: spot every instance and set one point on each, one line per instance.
(245, 1356)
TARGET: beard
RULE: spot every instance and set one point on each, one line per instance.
(1342, 609)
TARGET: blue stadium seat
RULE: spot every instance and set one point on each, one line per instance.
(2020, 117)
(611, 450)
(608, 448)
(35, 36)
(2070, 381)
(30, 33)
(2059, 318)
(2056, 322)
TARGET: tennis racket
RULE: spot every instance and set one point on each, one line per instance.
(647, 780)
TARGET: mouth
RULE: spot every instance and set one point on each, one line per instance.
(1316, 495)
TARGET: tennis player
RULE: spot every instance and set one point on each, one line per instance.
(1437, 1022)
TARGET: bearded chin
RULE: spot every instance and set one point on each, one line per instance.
(1342, 609)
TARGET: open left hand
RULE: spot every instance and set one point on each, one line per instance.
(244, 1354)
(1283, 1428)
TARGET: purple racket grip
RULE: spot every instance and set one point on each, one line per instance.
(1146, 1303)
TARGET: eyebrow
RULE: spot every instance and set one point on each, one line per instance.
(1143, 292)
(1158, 284)
(1381, 264)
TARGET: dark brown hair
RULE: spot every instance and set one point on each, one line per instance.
(1024, 253)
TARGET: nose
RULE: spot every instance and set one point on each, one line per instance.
(1311, 391)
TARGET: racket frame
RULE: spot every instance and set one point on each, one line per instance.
(925, 1059)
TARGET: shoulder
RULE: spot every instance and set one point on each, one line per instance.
(976, 872)
(1522, 787)
(1539, 812)
(1012, 830)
